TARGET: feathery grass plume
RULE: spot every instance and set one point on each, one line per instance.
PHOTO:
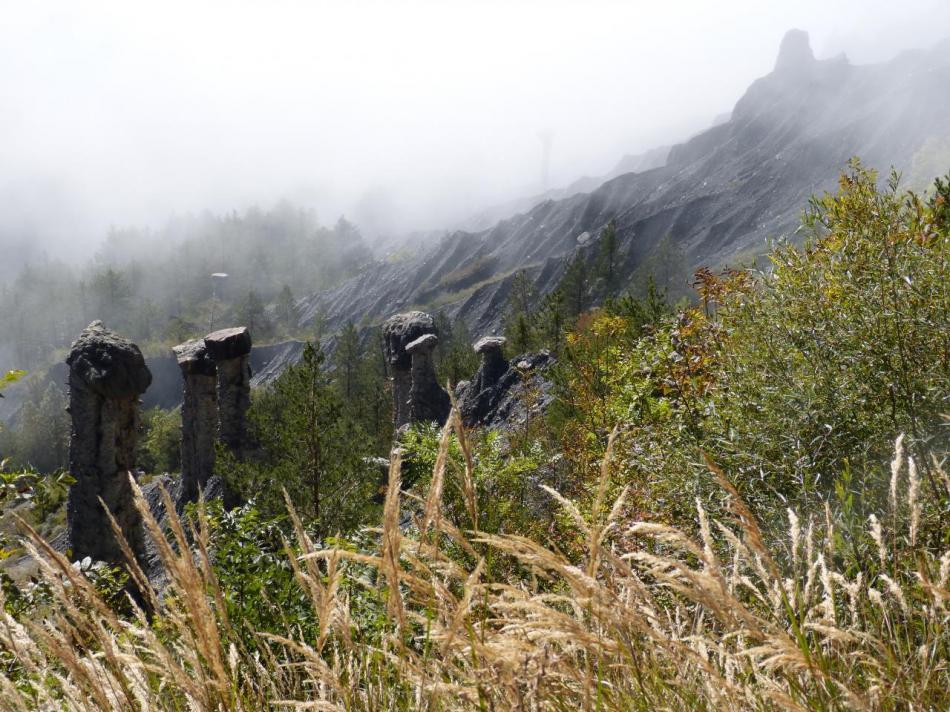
(896, 464)
(639, 615)
(747, 520)
(433, 500)
(913, 499)
(874, 527)
(794, 535)
(392, 538)
(468, 471)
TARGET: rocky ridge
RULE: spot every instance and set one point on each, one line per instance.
(719, 195)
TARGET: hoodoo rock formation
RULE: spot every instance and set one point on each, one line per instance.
(199, 417)
(795, 54)
(398, 332)
(427, 399)
(230, 349)
(478, 397)
(720, 194)
(107, 374)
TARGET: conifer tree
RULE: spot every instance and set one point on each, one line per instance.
(346, 359)
(574, 285)
(253, 315)
(519, 329)
(310, 446)
(455, 359)
(608, 257)
(286, 309)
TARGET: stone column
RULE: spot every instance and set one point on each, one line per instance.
(427, 399)
(493, 364)
(398, 331)
(230, 349)
(199, 417)
(481, 395)
(107, 374)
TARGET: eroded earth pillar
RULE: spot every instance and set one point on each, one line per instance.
(107, 374)
(199, 417)
(427, 399)
(230, 349)
(399, 331)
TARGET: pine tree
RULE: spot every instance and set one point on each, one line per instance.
(311, 447)
(456, 360)
(519, 329)
(286, 309)
(574, 285)
(552, 320)
(375, 401)
(112, 291)
(607, 258)
(253, 315)
(346, 359)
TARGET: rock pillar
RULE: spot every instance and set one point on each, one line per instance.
(230, 349)
(493, 365)
(398, 331)
(199, 417)
(427, 399)
(483, 392)
(107, 374)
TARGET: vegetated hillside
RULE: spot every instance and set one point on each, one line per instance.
(720, 195)
(739, 505)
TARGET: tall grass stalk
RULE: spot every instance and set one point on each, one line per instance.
(648, 618)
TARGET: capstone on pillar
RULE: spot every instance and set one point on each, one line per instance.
(494, 364)
(199, 417)
(427, 399)
(398, 331)
(479, 396)
(230, 349)
(107, 374)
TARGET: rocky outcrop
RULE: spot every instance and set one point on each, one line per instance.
(398, 332)
(493, 365)
(503, 393)
(721, 193)
(794, 54)
(199, 417)
(270, 360)
(479, 397)
(428, 401)
(230, 349)
(107, 374)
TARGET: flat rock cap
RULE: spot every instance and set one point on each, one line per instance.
(409, 325)
(193, 358)
(108, 364)
(400, 330)
(426, 342)
(226, 344)
(487, 344)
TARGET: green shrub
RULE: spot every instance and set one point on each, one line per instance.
(160, 443)
(788, 377)
(308, 444)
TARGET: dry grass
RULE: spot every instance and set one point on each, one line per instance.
(648, 619)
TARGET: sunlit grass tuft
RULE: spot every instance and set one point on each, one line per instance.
(646, 618)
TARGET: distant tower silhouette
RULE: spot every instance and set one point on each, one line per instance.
(547, 138)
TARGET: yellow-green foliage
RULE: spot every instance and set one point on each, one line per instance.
(844, 344)
(788, 377)
(160, 444)
(729, 532)
(644, 617)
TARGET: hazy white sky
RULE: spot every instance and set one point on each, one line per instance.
(127, 112)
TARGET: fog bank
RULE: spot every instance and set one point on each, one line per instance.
(402, 115)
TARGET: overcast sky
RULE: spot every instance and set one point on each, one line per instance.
(128, 112)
